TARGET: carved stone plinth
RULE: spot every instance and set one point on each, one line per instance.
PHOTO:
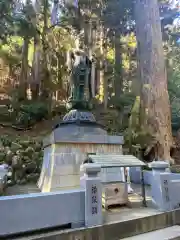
(67, 147)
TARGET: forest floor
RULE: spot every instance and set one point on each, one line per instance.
(43, 128)
(39, 131)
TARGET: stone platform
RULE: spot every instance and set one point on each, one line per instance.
(121, 225)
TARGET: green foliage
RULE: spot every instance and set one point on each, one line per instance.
(10, 52)
(123, 101)
(37, 109)
(147, 168)
(175, 116)
(6, 11)
(29, 114)
(23, 157)
(173, 72)
(175, 169)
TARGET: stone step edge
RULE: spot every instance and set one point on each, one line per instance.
(169, 233)
(112, 230)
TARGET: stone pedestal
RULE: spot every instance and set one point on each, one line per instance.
(160, 185)
(67, 147)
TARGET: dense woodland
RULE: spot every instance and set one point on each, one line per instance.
(136, 70)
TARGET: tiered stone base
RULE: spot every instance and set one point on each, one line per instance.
(61, 165)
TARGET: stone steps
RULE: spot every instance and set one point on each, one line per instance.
(169, 233)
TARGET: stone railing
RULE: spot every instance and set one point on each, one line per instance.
(42, 211)
(165, 187)
(77, 208)
(135, 175)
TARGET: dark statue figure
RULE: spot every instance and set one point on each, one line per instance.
(80, 80)
(81, 90)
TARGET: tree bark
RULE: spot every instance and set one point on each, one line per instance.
(35, 84)
(45, 63)
(100, 65)
(118, 81)
(24, 69)
(154, 94)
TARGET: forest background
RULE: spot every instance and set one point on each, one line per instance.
(137, 72)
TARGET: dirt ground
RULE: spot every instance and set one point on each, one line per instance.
(38, 131)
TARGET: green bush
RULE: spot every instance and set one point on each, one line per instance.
(35, 110)
(175, 169)
(29, 114)
(147, 168)
(5, 115)
(24, 158)
(59, 110)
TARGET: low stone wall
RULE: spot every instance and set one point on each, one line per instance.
(41, 211)
(24, 213)
(135, 176)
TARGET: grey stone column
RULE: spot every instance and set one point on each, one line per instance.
(91, 182)
(160, 184)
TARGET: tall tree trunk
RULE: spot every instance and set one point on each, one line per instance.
(105, 72)
(24, 69)
(101, 65)
(35, 84)
(46, 72)
(59, 71)
(154, 95)
(118, 81)
(35, 80)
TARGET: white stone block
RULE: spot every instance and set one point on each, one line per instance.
(91, 182)
(22, 213)
(65, 159)
(93, 202)
(161, 191)
(65, 181)
(113, 194)
(175, 194)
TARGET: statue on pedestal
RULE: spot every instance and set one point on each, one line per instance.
(81, 92)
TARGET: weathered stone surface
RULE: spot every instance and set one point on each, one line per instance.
(169, 233)
(91, 182)
(65, 159)
(39, 211)
(66, 148)
(83, 134)
(113, 230)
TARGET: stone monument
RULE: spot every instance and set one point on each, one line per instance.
(77, 135)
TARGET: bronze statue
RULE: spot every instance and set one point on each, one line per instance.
(80, 79)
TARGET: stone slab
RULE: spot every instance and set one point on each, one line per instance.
(162, 234)
(147, 221)
(80, 134)
(65, 181)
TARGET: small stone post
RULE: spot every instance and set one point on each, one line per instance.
(130, 190)
(91, 182)
(160, 185)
